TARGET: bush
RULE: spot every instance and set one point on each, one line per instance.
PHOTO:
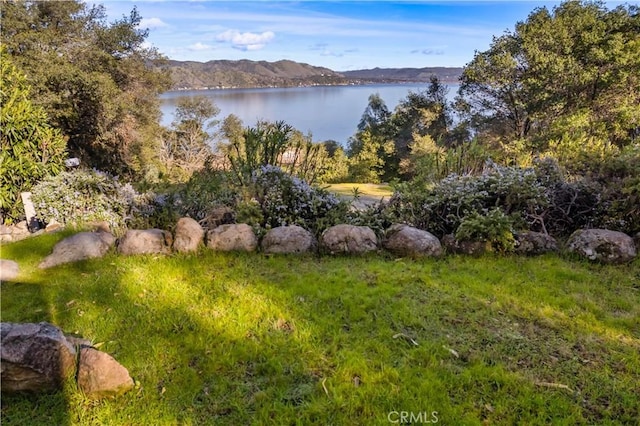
(287, 200)
(441, 209)
(30, 149)
(206, 191)
(81, 197)
(494, 227)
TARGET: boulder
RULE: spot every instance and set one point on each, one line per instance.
(288, 239)
(16, 232)
(145, 241)
(83, 245)
(602, 245)
(534, 243)
(348, 239)
(404, 240)
(9, 270)
(474, 248)
(233, 237)
(34, 357)
(189, 235)
(53, 226)
(101, 376)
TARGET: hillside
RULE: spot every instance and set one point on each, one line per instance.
(445, 74)
(285, 73)
(245, 73)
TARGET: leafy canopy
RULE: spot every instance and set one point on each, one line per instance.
(95, 79)
(30, 149)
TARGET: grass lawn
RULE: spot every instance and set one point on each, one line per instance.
(368, 189)
(233, 339)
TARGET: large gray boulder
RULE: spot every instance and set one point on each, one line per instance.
(83, 245)
(404, 240)
(534, 243)
(232, 237)
(189, 235)
(9, 270)
(602, 245)
(34, 357)
(345, 238)
(101, 376)
(288, 239)
(145, 241)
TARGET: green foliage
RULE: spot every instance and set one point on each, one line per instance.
(206, 191)
(95, 79)
(272, 144)
(441, 209)
(288, 200)
(429, 163)
(186, 147)
(81, 197)
(570, 71)
(30, 149)
(493, 227)
(391, 145)
(367, 154)
(581, 155)
(336, 168)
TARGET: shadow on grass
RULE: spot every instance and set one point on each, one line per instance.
(220, 338)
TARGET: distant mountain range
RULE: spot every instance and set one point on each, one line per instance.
(246, 74)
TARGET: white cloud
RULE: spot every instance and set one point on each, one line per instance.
(152, 23)
(429, 51)
(196, 47)
(246, 41)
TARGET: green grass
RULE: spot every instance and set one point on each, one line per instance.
(365, 189)
(234, 339)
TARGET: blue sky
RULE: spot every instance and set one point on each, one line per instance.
(341, 35)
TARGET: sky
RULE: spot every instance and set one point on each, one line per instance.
(340, 35)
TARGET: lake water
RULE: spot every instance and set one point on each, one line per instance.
(327, 112)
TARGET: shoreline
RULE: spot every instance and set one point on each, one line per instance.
(299, 86)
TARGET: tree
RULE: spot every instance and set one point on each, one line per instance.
(95, 79)
(575, 70)
(375, 117)
(272, 144)
(420, 114)
(30, 148)
(186, 148)
(367, 164)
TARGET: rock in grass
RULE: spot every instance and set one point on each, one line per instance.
(288, 239)
(83, 245)
(351, 239)
(189, 235)
(101, 376)
(9, 270)
(602, 245)
(535, 243)
(34, 357)
(232, 237)
(145, 241)
(473, 248)
(404, 240)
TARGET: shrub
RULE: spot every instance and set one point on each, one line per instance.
(204, 192)
(80, 197)
(441, 208)
(493, 227)
(30, 149)
(288, 200)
